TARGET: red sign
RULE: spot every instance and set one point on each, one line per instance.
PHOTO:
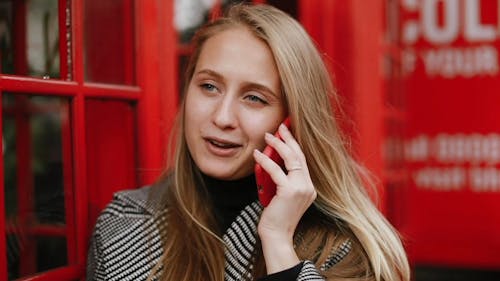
(451, 83)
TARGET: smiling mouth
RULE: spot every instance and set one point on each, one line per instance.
(220, 144)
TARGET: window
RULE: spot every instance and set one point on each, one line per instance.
(86, 107)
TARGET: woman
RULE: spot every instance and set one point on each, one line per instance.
(202, 221)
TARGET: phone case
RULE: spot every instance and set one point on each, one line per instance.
(265, 185)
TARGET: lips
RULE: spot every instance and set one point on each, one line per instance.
(221, 147)
(223, 144)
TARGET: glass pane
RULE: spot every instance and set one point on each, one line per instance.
(34, 130)
(109, 42)
(190, 15)
(29, 38)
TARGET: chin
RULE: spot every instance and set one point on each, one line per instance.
(215, 171)
(222, 174)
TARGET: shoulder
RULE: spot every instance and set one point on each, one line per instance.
(126, 203)
(144, 201)
(131, 209)
(127, 235)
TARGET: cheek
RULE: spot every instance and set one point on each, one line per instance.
(189, 122)
(197, 105)
(191, 119)
(255, 132)
(265, 123)
(260, 143)
(193, 111)
(192, 129)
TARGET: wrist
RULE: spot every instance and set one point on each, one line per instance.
(275, 234)
(279, 253)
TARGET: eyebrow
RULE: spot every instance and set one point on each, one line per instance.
(248, 84)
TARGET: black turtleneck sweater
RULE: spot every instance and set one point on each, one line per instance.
(229, 198)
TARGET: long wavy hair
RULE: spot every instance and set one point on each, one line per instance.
(193, 249)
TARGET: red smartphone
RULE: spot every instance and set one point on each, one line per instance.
(266, 187)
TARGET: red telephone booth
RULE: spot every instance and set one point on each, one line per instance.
(83, 114)
(89, 90)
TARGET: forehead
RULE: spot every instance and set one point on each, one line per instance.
(234, 41)
(237, 51)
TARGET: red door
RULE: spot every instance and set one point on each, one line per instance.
(88, 94)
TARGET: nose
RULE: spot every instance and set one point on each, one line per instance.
(224, 115)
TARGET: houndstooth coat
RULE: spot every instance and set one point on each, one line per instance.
(126, 241)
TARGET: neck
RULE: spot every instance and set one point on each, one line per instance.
(230, 197)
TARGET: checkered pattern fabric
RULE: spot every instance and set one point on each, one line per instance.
(126, 242)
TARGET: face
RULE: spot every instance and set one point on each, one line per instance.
(233, 98)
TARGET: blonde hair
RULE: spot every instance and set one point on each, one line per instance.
(344, 211)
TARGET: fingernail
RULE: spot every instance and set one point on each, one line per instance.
(268, 136)
(282, 126)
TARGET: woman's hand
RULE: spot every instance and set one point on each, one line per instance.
(294, 194)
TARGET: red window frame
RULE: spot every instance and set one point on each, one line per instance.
(155, 113)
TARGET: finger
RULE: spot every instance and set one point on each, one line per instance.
(273, 169)
(292, 162)
(290, 140)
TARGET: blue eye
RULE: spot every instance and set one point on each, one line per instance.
(208, 87)
(254, 98)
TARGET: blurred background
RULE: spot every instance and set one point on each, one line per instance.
(89, 91)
